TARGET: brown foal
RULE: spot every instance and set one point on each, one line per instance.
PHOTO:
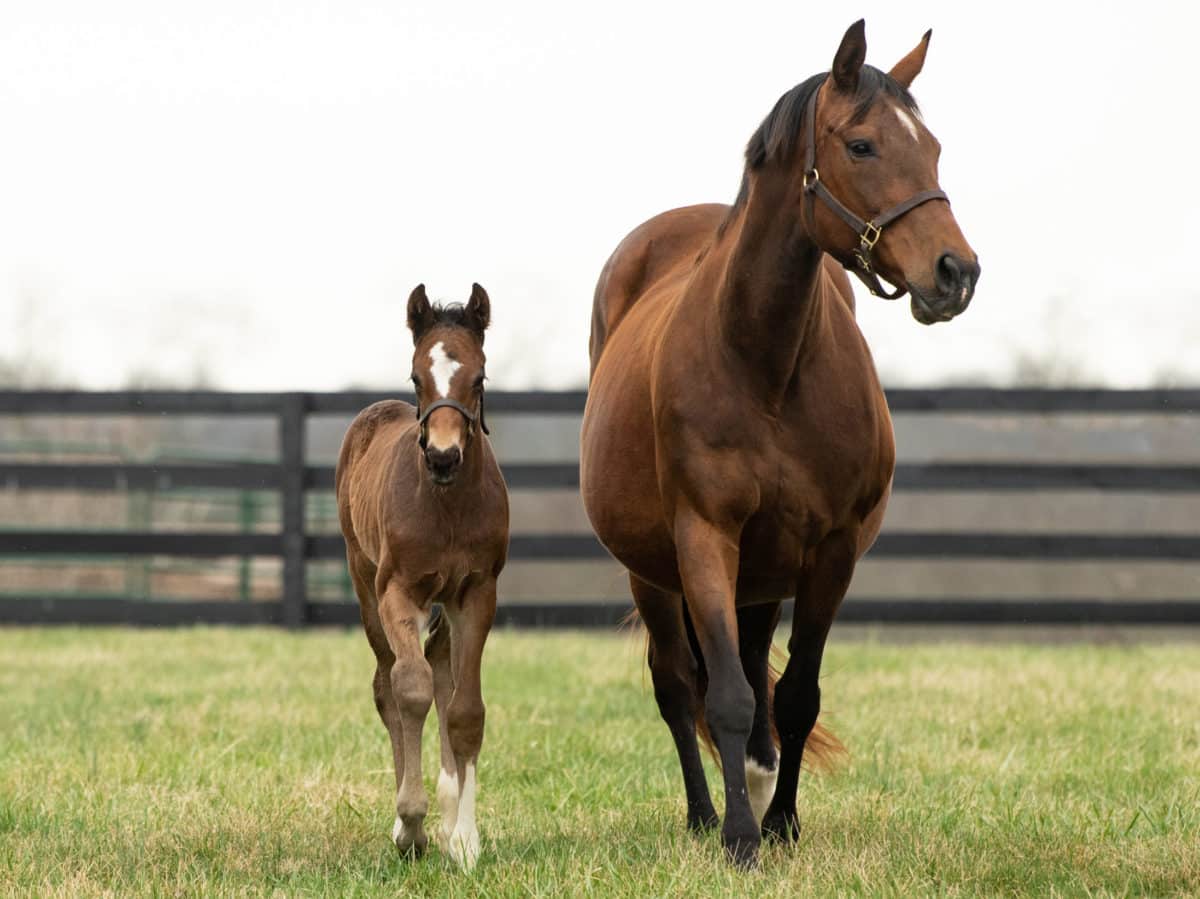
(424, 511)
(737, 447)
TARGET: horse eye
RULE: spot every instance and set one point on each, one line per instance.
(860, 148)
(416, 382)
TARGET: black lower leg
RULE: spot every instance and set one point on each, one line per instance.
(678, 705)
(798, 693)
(797, 705)
(729, 711)
(756, 627)
(674, 670)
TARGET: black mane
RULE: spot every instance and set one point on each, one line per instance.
(779, 135)
(452, 314)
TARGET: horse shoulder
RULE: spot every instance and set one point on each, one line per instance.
(856, 422)
(364, 479)
(709, 448)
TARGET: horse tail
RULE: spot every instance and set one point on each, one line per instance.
(438, 640)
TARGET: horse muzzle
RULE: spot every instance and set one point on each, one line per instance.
(443, 464)
(954, 286)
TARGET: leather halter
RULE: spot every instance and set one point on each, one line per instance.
(456, 406)
(868, 232)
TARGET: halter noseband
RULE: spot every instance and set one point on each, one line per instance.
(868, 232)
(466, 413)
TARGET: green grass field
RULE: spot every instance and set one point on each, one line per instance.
(236, 762)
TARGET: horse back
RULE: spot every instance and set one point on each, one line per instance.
(650, 251)
(661, 246)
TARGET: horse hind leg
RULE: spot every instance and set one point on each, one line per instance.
(756, 628)
(676, 676)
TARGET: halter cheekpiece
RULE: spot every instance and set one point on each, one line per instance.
(868, 232)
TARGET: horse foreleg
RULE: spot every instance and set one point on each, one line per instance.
(471, 621)
(674, 672)
(361, 575)
(438, 654)
(798, 693)
(708, 563)
(756, 627)
(412, 690)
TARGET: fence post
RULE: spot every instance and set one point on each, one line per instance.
(291, 461)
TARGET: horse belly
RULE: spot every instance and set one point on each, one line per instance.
(618, 475)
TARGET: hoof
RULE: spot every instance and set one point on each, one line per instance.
(410, 838)
(464, 848)
(742, 848)
(701, 823)
(781, 827)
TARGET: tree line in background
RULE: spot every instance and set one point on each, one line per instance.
(1056, 362)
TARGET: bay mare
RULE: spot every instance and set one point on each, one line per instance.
(736, 446)
(424, 512)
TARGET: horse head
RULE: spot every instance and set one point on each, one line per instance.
(448, 376)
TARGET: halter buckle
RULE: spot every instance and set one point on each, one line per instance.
(810, 180)
(870, 236)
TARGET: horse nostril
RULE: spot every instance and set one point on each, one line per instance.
(443, 459)
(956, 276)
(949, 273)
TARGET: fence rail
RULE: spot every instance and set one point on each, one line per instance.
(946, 476)
(293, 477)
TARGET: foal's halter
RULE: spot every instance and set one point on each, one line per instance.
(472, 417)
(868, 232)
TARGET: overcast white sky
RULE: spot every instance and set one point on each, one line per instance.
(248, 189)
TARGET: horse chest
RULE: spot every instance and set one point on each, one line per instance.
(810, 489)
(444, 575)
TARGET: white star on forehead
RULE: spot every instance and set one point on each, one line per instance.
(443, 368)
(907, 121)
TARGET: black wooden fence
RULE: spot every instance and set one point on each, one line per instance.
(292, 476)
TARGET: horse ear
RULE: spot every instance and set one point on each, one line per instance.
(850, 57)
(479, 310)
(910, 67)
(420, 313)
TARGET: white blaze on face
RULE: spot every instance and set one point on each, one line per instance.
(760, 783)
(442, 368)
(907, 121)
(464, 841)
